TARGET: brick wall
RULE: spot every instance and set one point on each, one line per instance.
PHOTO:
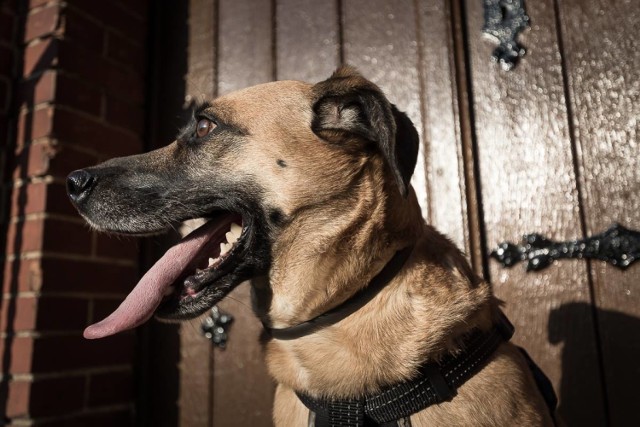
(78, 100)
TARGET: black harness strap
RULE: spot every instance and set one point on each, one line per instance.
(435, 383)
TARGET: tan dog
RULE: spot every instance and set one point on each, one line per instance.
(316, 178)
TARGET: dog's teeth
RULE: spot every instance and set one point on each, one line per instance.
(231, 238)
(211, 261)
(236, 230)
(224, 248)
(168, 291)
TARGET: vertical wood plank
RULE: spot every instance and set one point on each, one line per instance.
(201, 56)
(245, 45)
(380, 39)
(243, 391)
(603, 74)
(442, 133)
(195, 366)
(528, 185)
(308, 46)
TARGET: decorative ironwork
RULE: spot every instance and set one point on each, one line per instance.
(618, 246)
(504, 19)
(215, 327)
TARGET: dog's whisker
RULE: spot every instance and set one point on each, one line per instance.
(242, 303)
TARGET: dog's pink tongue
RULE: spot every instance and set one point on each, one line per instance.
(145, 298)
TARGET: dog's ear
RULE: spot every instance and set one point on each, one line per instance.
(347, 104)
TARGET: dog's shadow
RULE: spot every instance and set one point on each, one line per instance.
(592, 395)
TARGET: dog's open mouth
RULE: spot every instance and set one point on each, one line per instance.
(184, 275)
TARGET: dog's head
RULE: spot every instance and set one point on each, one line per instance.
(287, 162)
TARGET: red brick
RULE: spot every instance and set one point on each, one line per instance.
(48, 235)
(140, 8)
(35, 3)
(103, 307)
(44, 314)
(34, 124)
(125, 83)
(7, 24)
(66, 237)
(78, 95)
(47, 159)
(19, 354)
(83, 63)
(94, 68)
(110, 388)
(58, 201)
(117, 246)
(67, 159)
(122, 50)
(125, 114)
(60, 275)
(22, 276)
(18, 399)
(4, 96)
(60, 353)
(25, 236)
(28, 199)
(34, 160)
(57, 396)
(77, 129)
(111, 16)
(83, 31)
(52, 87)
(40, 197)
(120, 418)
(61, 314)
(41, 56)
(18, 313)
(42, 22)
(38, 90)
(3, 138)
(6, 56)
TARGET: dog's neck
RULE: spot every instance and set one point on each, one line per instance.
(413, 319)
(327, 257)
(350, 306)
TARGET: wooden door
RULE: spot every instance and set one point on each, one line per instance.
(549, 147)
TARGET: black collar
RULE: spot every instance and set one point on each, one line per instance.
(348, 307)
(435, 383)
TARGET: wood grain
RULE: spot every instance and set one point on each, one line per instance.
(557, 152)
(243, 391)
(380, 39)
(442, 134)
(308, 45)
(528, 185)
(603, 74)
(245, 44)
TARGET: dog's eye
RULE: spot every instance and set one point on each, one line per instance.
(204, 126)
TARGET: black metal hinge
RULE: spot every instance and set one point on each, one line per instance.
(503, 20)
(619, 246)
(215, 327)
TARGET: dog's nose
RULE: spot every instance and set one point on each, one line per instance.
(79, 185)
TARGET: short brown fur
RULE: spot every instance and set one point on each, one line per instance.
(341, 189)
(420, 316)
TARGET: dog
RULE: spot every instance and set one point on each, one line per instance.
(306, 188)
